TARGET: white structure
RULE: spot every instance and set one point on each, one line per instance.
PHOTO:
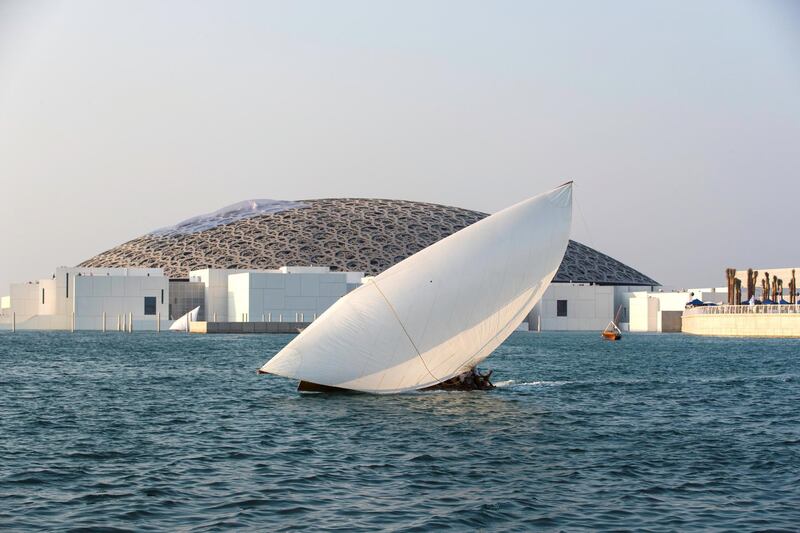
(216, 291)
(135, 298)
(283, 296)
(743, 320)
(590, 307)
(288, 294)
(580, 307)
(91, 299)
(661, 311)
(573, 307)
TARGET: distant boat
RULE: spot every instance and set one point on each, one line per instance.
(612, 331)
(433, 317)
(182, 324)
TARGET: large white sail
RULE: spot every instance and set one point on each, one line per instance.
(439, 312)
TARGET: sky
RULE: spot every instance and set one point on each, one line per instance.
(679, 121)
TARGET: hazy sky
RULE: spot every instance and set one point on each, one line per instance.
(678, 121)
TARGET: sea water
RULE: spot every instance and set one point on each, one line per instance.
(165, 431)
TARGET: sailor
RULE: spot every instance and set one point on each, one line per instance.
(469, 379)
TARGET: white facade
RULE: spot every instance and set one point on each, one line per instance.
(654, 311)
(288, 294)
(584, 307)
(297, 293)
(136, 298)
(24, 299)
(573, 307)
(216, 297)
(587, 307)
(283, 296)
(80, 297)
(117, 296)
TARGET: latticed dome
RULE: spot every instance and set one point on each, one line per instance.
(354, 234)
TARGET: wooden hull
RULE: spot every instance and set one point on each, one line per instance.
(307, 386)
(611, 335)
(471, 380)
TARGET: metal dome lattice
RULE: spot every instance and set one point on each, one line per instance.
(353, 234)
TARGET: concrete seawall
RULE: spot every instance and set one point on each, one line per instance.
(247, 327)
(742, 325)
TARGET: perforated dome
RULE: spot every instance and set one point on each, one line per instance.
(354, 234)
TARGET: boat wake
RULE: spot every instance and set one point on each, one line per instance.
(666, 381)
(514, 384)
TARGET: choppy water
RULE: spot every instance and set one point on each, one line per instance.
(146, 431)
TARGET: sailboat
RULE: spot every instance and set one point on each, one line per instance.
(612, 331)
(432, 318)
(182, 324)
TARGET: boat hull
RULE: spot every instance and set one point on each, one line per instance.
(307, 386)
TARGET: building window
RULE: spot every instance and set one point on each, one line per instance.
(149, 305)
(561, 308)
(162, 296)
(42, 296)
(67, 283)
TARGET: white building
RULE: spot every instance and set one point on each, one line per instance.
(296, 294)
(83, 298)
(292, 294)
(288, 294)
(661, 311)
(581, 307)
(573, 307)
(123, 298)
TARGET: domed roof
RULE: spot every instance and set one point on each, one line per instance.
(354, 234)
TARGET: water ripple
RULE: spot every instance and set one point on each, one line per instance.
(162, 432)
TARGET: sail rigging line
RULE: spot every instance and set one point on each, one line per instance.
(402, 326)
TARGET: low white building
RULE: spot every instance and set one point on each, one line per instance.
(661, 311)
(580, 307)
(137, 298)
(284, 296)
(573, 307)
(287, 294)
(86, 298)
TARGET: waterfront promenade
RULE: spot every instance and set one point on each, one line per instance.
(743, 320)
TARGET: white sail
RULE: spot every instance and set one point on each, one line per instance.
(182, 324)
(439, 312)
